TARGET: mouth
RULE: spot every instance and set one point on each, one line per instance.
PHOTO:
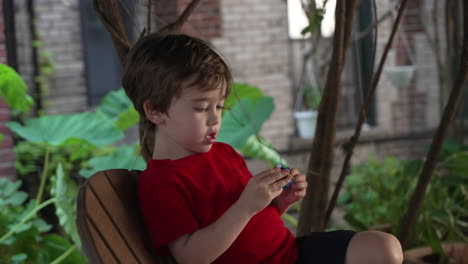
(211, 137)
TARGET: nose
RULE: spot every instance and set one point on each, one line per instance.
(214, 117)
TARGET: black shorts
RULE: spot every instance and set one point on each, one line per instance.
(324, 247)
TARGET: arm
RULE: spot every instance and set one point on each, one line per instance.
(207, 244)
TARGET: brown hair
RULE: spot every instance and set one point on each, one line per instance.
(159, 66)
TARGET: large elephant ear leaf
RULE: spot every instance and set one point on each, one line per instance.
(257, 148)
(55, 130)
(242, 91)
(124, 157)
(117, 106)
(14, 90)
(245, 119)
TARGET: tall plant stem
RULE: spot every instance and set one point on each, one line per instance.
(362, 114)
(447, 117)
(64, 255)
(43, 177)
(26, 218)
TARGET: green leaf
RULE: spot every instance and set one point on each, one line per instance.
(7, 187)
(41, 225)
(117, 106)
(17, 198)
(124, 157)
(127, 119)
(307, 29)
(56, 130)
(18, 258)
(244, 120)
(114, 103)
(240, 91)
(355, 222)
(36, 43)
(55, 245)
(457, 163)
(315, 21)
(65, 192)
(14, 90)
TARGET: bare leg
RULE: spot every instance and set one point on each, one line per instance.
(374, 247)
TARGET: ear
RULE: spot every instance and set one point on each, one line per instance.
(153, 115)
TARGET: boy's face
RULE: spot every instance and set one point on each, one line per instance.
(191, 123)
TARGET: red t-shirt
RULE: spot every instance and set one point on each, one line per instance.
(178, 197)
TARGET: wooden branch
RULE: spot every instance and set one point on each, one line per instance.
(436, 145)
(174, 27)
(362, 114)
(109, 14)
(314, 205)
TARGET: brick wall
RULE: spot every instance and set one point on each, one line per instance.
(255, 42)
(7, 156)
(414, 107)
(204, 22)
(414, 99)
(253, 36)
(61, 37)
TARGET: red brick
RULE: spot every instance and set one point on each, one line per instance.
(7, 172)
(8, 156)
(3, 105)
(7, 141)
(5, 115)
(204, 22)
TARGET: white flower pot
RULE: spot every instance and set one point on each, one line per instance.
(400, 76)
(305, 121)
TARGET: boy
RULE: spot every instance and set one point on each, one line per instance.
(198, 199)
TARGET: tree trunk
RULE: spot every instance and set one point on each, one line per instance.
(315, 203)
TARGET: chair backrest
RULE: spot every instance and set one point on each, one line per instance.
(109, 220)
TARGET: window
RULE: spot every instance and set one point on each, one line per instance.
(358, 70)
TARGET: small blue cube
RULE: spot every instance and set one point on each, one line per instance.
(286, 168)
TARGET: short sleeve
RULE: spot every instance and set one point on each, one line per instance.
(166, 210)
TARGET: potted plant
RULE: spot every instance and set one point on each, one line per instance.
(306, 113)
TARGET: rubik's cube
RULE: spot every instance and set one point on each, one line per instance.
(289, 175)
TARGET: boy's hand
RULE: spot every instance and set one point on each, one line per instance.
(262, 189)
(293, 193)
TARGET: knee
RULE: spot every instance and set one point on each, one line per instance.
(374, 247)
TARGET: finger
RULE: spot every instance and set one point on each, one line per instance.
(300, 194)
(267, 172)
(299, 185)
(300, 177)
(295, 172)
(274, 177)
(279, 184)
(301, 180)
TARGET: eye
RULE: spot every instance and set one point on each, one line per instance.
(200, 109)
(220, 107)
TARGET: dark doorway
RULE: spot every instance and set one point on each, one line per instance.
(103, 67)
